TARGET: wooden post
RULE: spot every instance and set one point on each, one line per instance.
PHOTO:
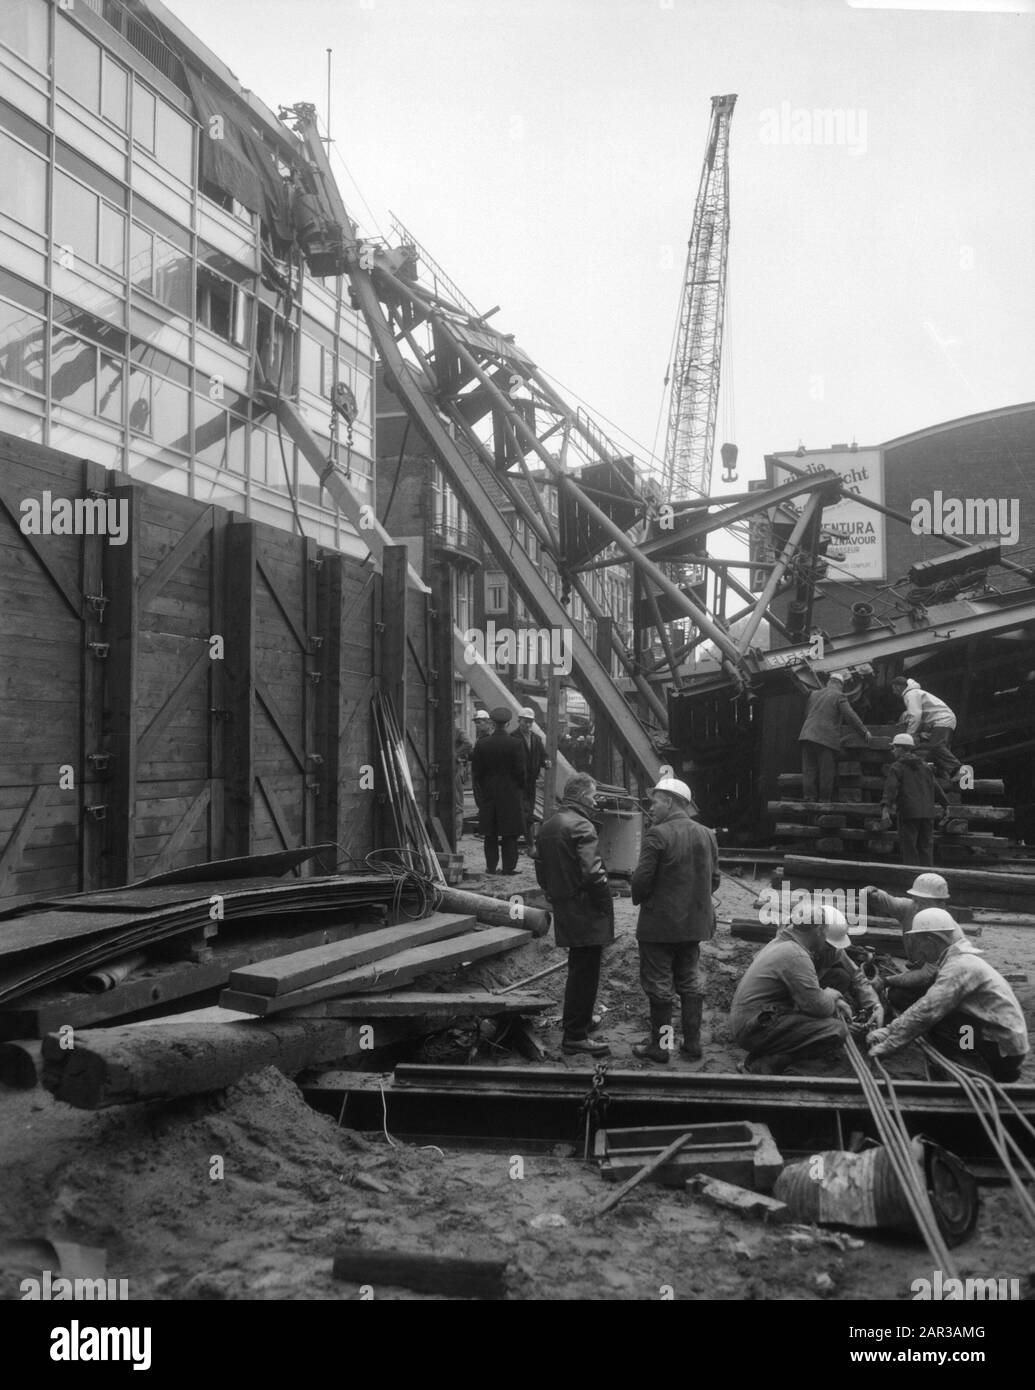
(239, 744)
(312, 661)
(93, 786)
(553, 714)
(603, 745)
(123, 631)
(443, 731)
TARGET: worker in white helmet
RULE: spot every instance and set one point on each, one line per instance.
(835, 968)
(928, 890)
(913, 795)
(673, 883)
(533, 750)
(970, 1013)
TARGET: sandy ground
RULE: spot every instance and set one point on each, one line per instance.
(138, 1182)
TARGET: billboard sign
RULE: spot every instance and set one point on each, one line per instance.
(861, 530)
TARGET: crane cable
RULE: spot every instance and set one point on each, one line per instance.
(898, 1146)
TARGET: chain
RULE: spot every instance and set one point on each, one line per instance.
(594, 1106)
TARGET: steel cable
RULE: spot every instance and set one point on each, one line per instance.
(898, 1146)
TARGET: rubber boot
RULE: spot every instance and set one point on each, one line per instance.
(692, 1007)
(651, 1049)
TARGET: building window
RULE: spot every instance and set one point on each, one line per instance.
(22, 341)
(144, 107)
(495, 593)
(23, 189)
(222, 306)
(86, 227)
(85, 378)
(23, 27)
(463, 599)
(160, 269)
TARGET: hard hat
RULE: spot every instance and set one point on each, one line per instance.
(929, 886)
(935, 919)
(526, 713)
(481, 714)
(675, 787)
(903, 741)
(843, 676)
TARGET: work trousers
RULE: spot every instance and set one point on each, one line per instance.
(916, 841)
(791, 1033)
(528, 810)
(580, 991)
(495, 845)
(818, 771)
(944, 759)
(961, 1038)
(671, 967)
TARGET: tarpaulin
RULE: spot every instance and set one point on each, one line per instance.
(237, 161)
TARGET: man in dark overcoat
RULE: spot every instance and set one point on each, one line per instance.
(677, 873)
(498, 777)
(572, 876)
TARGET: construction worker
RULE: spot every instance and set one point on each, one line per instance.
(912, 793)
(826, 713)
(928, 890)
(930, 719)
(533, 750)
(780, 1013)
(835, 968)
(482, 724)
(970, 1013)
(498, 775)
(570, 873)
(677, 873)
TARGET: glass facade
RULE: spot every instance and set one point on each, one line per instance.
(139, 310)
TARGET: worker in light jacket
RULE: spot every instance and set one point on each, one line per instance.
(928, 890)
(826, 714)
(574, 880)
(929, 719)
(673, 882)
(912, 794)
(970, 1014)
(498, 777)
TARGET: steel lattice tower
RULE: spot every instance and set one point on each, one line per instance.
(690, 441)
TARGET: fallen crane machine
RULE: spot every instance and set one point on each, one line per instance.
(489, 414)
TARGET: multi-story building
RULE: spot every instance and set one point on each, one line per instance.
(147, 290)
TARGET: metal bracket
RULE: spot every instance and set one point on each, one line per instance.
(315, 758)
(97, 812)
(100, 649)
(315, 642)
(223, 714)
(101, 762)
(98, 602)
(314, 677)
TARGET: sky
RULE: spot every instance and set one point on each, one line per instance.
(547, 153)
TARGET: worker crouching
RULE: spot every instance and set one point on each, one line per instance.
(782, 1015)
(677, 873)
(970, 1013)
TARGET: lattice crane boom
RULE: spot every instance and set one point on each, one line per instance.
(693, 401)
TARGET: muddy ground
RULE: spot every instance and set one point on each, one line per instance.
(138, 1182)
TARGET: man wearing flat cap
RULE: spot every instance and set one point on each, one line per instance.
(533, 751)
(498, 777)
